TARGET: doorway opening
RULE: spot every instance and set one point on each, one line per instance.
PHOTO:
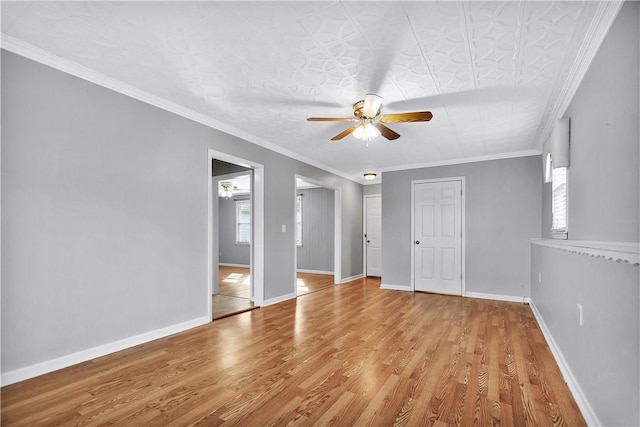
(234, 288)
(236, 243)
(317, 237)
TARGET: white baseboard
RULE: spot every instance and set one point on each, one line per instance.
(349, 279)
(497, 297)
(282, 298)
(395, 287)
(300, 270)
(581, 400)
(226, 264)
(45, 367)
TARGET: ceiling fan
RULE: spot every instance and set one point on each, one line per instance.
(369, 122)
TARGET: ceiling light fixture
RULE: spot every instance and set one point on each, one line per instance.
(371, 107)
(369, 176)
(226, 189)
(366, 131)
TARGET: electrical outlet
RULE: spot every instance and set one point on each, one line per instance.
(580, 318)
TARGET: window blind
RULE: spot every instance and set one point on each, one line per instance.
(559, 200)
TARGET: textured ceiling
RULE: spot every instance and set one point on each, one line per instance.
(495, 75)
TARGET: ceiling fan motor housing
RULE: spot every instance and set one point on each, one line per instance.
(358, 111)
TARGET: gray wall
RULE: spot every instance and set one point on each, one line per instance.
(370, 189)
(316, 252)
(603, 175)
(503, 200)
(230, 252)
(603, 190)
(104, 215)
(603, 354)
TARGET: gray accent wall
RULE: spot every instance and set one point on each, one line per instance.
(603, 190)
(104, 215)
(316, 252)
(603, 354)
(230, 251)
(503, 199)
(371, 189)
(603, 196)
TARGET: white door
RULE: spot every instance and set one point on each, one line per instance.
(438, 237)
(373, 235)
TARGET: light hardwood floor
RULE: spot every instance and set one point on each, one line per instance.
(234, 287)
(352, 354)
(234, 281)
(310, 282)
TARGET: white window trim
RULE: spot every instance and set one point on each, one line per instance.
(548, 167)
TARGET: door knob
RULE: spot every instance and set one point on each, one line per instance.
(417, 242)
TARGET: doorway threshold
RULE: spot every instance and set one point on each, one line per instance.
(225, 306)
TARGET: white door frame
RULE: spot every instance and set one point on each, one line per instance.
(464, 234)
(257, 250)
(364, 227)
(337, 231)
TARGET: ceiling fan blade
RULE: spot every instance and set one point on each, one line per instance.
(416, 116)
(482, 96)
(331, 119)
(344, 133)
(386, 132)
(372, 104)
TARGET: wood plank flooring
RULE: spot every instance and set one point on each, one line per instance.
(311, 282)
(234, 289)
(234, 281)
(223, 306)
(348, 355)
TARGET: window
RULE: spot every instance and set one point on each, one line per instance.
(299, 220)
(243, 222)
(559, 202)
(548, 167)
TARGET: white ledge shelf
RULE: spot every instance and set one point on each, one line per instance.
(613, 251)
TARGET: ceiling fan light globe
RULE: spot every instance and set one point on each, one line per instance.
(359, 132)
(372, 104)
(371, 131)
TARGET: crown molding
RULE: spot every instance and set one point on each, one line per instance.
(603, 20)
(47, 58)
(475, 159)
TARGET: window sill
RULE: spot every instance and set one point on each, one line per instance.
(559, 235)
